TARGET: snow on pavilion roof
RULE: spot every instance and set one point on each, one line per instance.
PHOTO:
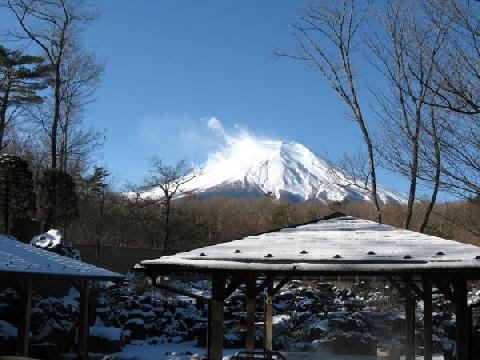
(23, 259)
(344, 244)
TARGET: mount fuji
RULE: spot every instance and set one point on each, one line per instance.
(287, 170)
(249, 166)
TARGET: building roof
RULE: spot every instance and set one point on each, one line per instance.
(340, 245)
(27, 260)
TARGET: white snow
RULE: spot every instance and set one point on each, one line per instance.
(49, 239)
(110, 333)
(285, 169)
(17, 257)
(341, 244)
(181, 351)
(7, 330)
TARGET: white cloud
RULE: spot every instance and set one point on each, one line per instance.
(175, 137)
(214, 124)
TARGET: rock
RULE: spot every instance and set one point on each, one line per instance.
(105, 340)
(354, 343)
(8, 337)
(137, 329)
(53, 330)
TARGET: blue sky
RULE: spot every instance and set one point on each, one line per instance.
(172, 64)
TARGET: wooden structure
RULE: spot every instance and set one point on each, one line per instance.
(331, 249)
(27, 264)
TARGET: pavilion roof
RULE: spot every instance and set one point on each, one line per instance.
(27, 260)
(340, 245)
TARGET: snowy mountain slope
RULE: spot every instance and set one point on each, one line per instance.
(253, 167)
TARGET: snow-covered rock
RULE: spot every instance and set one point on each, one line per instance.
(106, 340)
(53, 241)
(50, 239)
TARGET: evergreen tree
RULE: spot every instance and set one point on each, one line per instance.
(58, 199)
(17, 198)
(97, 189)
(21, 78)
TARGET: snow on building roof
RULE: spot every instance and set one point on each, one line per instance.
(341, 245)
(23, 259)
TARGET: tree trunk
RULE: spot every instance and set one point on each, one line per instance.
(371, 161)
(413, 170)
(6, 209)
(436, 180)
(3, 115)
(167, 226)
(56, 116)
(100, 229)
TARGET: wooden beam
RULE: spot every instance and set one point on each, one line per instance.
(396, 285)
(218, 290)
(250, 323)
(209, 329)
(23, 337)
(234, 284)
(411, 284)
(410, 324)
(268, 320)
(174, 290)
(461, 310)
(470, 326)
(83, 325)
(443, 287)
(427, 318)
(281, 284)
(264, 284)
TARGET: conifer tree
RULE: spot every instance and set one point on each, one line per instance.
(22, 77)
(17, 198)
(58, 199)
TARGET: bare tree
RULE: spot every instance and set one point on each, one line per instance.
(326, 36)
(458, 71)
(53, 26)
(455, 84)
(81, 75)
(435, 159)
(161, 187)
(352, 170)
(406, 52)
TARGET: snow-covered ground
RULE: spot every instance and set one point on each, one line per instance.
(184, 351)
(141, 350)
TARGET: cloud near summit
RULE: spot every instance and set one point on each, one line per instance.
(198, 141)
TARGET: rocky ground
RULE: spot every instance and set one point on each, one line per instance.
(308, 316)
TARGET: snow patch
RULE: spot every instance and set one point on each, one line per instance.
(50, 239)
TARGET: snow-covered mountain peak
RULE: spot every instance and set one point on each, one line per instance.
(250, 166)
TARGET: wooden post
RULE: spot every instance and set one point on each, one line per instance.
(218, 289)
(461, 309)
(409, 324)
(250, 323)
(83, 326)
(268, 318)
(427, 318)
(209, 329)
(23, 337)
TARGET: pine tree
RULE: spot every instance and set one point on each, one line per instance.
(58, 199)
(17, 198)
(22, 77)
